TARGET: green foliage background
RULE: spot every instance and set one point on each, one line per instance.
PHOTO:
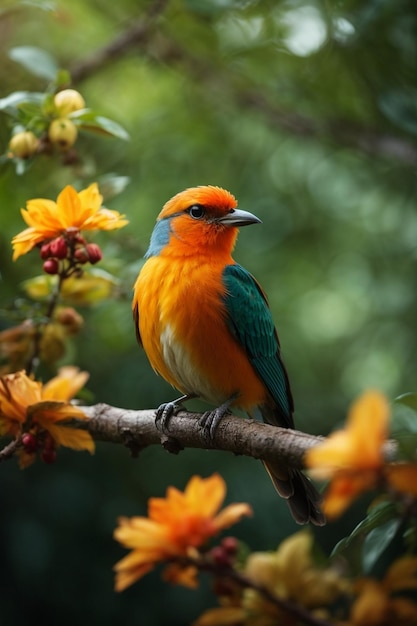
(307, 112)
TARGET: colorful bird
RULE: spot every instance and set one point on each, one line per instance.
(206, 327)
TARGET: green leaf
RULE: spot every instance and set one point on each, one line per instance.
(404, 425)
(377, 516)
(88, 120)
(377, 542)
(35, 60)
(410, 400)
(62, 79)
(111, 185)
(11, 103)
(407, 447)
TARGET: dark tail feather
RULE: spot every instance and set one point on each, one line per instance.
(302, 497)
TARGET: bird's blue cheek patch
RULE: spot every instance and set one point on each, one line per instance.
(159, 238)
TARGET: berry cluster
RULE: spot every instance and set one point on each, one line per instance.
(71, 247)
(225, 554)
(42, 442)
(60, 128)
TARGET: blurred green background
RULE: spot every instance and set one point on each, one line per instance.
(307, 112)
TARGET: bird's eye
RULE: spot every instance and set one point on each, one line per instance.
(196, 211)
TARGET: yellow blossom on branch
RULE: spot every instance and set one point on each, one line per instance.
(40, 412)
(353, 457)
(387, 601)
(72, 212)
(176, 527)
(291, 574)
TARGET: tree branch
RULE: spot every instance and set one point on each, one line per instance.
(344, 132)
(136, 34)
(137, 430)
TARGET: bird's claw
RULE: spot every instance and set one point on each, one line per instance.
(164, 413)
(210, 420)
(166, 410)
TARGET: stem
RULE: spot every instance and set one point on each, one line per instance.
(33, 362)
(297, 611)
(9, 451)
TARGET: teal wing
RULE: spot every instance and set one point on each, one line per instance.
(250, 321)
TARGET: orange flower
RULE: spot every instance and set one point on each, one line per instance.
(353, 458)
(76, 211)
(402, 477)
(40, 411)
(176, 526)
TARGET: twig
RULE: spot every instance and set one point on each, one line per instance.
(136, 34)
(216, 79)
(289, 607)
(9, 451)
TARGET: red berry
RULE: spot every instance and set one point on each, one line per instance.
(48, 455)
(81, 255)
(230, 545)
(51, 266)
(29, 442)
(45, 251)
(94, 253)
(220, 556)
(58, 248)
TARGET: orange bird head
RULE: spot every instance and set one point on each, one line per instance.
(197, 220)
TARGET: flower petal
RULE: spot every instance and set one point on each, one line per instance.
(232, 514)
(65, 386)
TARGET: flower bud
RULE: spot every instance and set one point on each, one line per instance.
(24, 144)
(70, 319)
(62, 133)
(51, 266)
(67, 101)
(94, 253)
(58, 248)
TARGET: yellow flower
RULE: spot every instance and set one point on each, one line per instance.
(92, 287)
(40, 411)
(71, 212)
(353, 457)
(175, 527)
(291, 574)
(379, 603)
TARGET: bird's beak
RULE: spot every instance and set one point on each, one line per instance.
(237, 217)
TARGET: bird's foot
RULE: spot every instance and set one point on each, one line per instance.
(166, 410)
(210, 420)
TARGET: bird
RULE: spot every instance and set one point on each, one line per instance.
(206, 327)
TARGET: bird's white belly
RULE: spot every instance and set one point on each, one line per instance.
(179, 362)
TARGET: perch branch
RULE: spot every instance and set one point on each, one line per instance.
(137, 430)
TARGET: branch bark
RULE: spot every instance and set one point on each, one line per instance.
(137, 430)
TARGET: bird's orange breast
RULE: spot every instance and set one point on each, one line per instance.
(183, 329)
